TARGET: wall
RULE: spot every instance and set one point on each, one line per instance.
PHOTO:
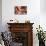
(35, 14)
(0, 15)
(8, 11)
(43, 14)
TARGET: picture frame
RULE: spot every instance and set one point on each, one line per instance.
(20, 10)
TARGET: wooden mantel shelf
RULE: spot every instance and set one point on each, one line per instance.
(19, 23)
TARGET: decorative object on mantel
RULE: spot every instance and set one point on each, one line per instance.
(14, 21)
(41, 36)
(11, 20)
(27, 21)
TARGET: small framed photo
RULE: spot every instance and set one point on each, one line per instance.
(20, 10)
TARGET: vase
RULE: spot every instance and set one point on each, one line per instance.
(41, 43)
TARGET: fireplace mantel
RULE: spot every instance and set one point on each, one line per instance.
(22, 30)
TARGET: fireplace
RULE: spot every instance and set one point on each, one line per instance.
(22, 34)
(20, 38)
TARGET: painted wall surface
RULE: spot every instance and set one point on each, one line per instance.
(33, 11)
(34, 14)
(0, 15)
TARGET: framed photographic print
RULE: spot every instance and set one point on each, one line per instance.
(20, 10)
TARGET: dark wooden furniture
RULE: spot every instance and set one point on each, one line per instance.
(23, 32)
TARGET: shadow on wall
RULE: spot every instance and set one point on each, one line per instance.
(0, 15)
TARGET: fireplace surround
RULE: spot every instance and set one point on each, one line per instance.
(22, 33)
